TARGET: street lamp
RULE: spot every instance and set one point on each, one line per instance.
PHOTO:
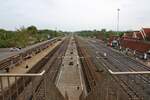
(118, 20)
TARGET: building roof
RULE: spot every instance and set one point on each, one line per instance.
(142, 34)
(146, 32)
(138, 35)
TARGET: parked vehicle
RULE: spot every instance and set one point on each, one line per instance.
(15, 49)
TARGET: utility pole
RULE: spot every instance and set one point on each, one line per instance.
(118, 10)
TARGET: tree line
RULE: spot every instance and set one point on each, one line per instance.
(25, 36)
(103, 33)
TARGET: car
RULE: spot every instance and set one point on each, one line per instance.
(15, 49)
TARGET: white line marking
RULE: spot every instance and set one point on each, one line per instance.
(59, 76)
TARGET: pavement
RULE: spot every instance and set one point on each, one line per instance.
(69, 80)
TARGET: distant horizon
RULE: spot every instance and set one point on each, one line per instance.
(55, 29)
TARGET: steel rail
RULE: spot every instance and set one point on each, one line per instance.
(137, 70)
(122, 81)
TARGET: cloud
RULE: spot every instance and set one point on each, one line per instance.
(74, 14)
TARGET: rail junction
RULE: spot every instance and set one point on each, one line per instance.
(72, 68)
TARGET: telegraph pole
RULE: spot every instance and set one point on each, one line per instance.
(118, 10)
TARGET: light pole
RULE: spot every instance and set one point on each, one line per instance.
(118, 20)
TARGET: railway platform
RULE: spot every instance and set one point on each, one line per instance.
(27, 65)
(69, 80)
(35, 81)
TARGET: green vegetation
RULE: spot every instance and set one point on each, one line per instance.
(88, 33)
(25, 36)
(103, 34)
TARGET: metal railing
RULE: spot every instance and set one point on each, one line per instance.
(110, 88)
(129, 72)
(13, 86)
(30, 86)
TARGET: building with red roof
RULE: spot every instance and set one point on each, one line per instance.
(137, 35)
(136, 40)
(143, 34)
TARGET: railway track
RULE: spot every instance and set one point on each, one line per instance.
(123, 60)
(50, 63)
(121, 64)
(133, 86)
(89, 68)
(52, 66)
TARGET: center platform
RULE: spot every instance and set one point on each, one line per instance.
(70, 78)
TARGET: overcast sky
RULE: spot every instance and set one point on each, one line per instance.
(72, 15)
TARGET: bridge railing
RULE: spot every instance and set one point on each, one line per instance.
(106, 89)
(28, 87)
(120, 86)
(13, 86)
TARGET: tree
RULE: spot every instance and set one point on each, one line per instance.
(22, 37)
(32, 30)
(103, 30)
